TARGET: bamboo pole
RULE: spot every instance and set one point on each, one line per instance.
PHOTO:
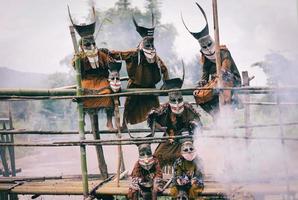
(248, 131)
(80, 115)
(120, 153)
(69, 94)
(217, 49)
(38, 132)
(99, 151)
(11, 149)
(32, 132)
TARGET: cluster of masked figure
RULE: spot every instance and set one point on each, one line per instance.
(100, 75)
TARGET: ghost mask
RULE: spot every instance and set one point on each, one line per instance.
(146, 159)
(208, 47)
(91, 51)
(114, 80)
(147, 45)
(176, 102)
(188, 151)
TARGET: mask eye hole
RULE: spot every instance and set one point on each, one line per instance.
(180, 99)
(191, 149)
(142, 154)
(209, 44)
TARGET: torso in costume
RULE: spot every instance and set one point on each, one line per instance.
(167, 153)
(230, 78)
(96, 79)
(190, 169)
(141, 75)
(228, 64)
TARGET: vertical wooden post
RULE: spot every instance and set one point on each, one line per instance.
(3, 153)
(99, 151)
(81, 115)
(11, 148)
(120, 153)
(217, 49)
(281, 133)
(248, 131)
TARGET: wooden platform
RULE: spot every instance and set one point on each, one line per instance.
(74, 187)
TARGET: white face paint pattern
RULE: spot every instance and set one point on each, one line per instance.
(114, 81)
(207, 47)
(188, 151)
(150, 55)
(177, 108)
(92, 55)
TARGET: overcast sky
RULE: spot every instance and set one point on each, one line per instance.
(35, 37)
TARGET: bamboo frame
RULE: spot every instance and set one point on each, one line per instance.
(79, 92)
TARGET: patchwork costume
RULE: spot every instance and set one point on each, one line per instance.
(208, 99)
(146, 176)
(188, 176)
(145, 69)
(176, 116)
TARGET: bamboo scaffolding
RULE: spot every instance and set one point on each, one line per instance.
(79, 92)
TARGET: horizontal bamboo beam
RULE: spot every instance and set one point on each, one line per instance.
(40, 94)
(35, 132)
(270, 103)
(78, 143)
(72, 132)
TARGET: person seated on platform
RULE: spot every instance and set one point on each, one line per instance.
(145, 69)
(209, 99)
(146, 176)
(175, 116)
(188, 180)
(95, 72)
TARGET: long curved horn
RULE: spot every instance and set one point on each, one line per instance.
(153, 20)
(134, 21)
(183, 72)
(94, 13)
(204, 31)
(70, 16)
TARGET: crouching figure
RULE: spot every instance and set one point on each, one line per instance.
(146, 180)
(188, 176)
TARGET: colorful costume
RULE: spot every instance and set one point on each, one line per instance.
(176, 116)
(144, 69)
(168, 152)
(207, 99)
(146, 176)
(188, 176)
(95, 65)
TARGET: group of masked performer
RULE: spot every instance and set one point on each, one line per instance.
(100, 75)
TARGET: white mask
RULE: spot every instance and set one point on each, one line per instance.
(176, 102)
(92, 55)
(207, 47)
(114, 81)
(147, 45)
(187, 151)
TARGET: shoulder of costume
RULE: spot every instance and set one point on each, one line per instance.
(189, 107)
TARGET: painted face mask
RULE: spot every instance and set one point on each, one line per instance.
(176, 102)
(91, 51)
(114, 80)
(207, 47)
(146, 159)
(148, 48)
(188, 151)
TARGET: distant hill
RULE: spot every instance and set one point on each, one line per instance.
(10, 78)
